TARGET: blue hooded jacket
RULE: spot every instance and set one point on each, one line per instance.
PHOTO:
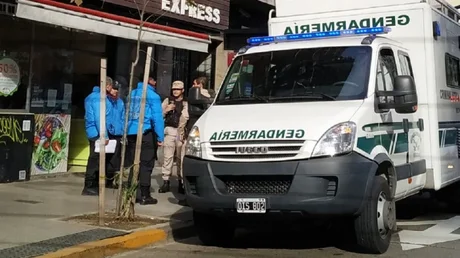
(153, 118)
(114, 115)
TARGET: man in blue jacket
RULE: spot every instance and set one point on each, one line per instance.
(153, 136)
(114, 116)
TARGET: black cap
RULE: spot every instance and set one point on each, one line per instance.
(116, 85)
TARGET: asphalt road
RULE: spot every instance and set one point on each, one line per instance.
(426, 230)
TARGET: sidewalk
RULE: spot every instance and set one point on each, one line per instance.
(32, 212)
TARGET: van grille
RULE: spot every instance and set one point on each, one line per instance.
(271, 185)
(273, 149)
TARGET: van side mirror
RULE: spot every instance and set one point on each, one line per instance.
(195, 97)
(404, 94)
(194, 94)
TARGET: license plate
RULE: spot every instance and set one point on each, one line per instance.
(251, 205)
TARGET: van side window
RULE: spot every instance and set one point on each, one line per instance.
(386, 73)
(401, 143)
(452, 71)
(406, 67)
(451, 138)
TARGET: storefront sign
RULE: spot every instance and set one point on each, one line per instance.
(211, 14)
(9, 76)
(196, 11)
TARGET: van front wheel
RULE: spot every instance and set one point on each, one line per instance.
(374, 227)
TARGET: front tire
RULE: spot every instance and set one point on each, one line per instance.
(212, 230)
(375, 225)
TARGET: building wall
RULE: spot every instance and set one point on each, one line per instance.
(221, 65)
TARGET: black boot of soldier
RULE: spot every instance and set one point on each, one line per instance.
(166, 187)
(146, 199)
(90, 189)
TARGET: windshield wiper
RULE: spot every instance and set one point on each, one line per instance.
(308, 95)
(244, 99)
(265, 99)
(323, 95)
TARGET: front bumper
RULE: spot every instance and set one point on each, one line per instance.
(314, 187)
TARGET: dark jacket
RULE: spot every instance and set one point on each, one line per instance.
(196, 110)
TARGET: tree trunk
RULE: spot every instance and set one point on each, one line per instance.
(120, 202)
(102, 142)
(140, 128)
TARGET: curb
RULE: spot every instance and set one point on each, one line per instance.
(130, 242)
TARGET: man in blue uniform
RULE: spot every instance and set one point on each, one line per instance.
(153, 136)
(115, 110)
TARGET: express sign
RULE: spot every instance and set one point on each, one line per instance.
(196, 11)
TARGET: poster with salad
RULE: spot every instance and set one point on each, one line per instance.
(51, 142)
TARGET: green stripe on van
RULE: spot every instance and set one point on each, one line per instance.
(368, 144)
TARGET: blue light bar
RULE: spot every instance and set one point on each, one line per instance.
(315, 35)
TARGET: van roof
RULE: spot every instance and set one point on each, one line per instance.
(289, 8)
(317, 43)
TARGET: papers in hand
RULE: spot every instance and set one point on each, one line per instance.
(109, 148)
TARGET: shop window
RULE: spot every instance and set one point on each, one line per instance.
(85, 77)
(181, 66)
(15, 52)
(189, 65)
(66, 68)
(88, 49)
(202, 65)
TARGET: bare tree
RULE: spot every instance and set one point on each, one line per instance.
(126, 196)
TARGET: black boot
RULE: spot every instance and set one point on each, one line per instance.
(165, 187)
(90, 189)
(146, 199)
(181, 189)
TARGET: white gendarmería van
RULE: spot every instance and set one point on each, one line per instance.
(344, 109)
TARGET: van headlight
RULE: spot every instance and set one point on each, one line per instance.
(193, 146)
(337, 140)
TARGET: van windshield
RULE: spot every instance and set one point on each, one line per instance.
(298, 75)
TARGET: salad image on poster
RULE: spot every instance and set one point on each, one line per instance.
(50, 143)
